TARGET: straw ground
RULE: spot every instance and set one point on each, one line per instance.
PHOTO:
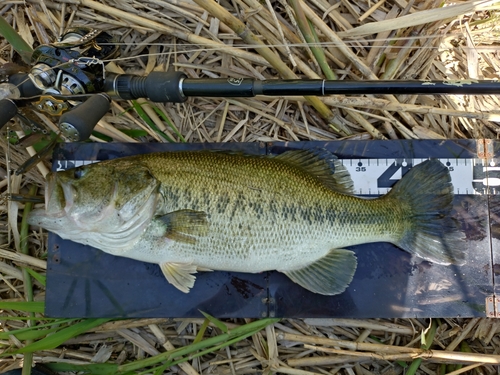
(357, 40)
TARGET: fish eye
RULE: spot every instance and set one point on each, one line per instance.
(78, 173)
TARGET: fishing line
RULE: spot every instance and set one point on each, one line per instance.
(302, 44)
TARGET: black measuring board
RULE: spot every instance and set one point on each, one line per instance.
(389, 283)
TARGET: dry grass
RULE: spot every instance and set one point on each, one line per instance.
(359, 39)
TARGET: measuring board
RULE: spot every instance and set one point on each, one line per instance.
(388, 283)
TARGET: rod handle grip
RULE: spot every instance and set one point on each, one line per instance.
(8, 109)
(78, 124)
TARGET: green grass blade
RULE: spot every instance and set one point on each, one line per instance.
(412, 369)
(464, 348)
(170, 124)
(17, 42)
(311, 38)
(40, 278)
(101, 136)
(426, 339)
(92, 368)
(61, 336)
(201, 332)
(213, 348)
(21, 318)
(36, 307)
(235, 335)
(171, 357)
(160, 370)
(30, 333)
(320, 56)
(216, 322)
(428, 336)
(134, 133)
(143, 115)
(24, 333)
(28, 285)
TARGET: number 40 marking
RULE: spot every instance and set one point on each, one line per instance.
(386, 181)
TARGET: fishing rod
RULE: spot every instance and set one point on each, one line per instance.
(68, 79)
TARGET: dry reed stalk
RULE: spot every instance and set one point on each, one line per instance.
(9, 270)
(292, 371)
(140, 124)
(417, 18)
(379, 351)
(361, 66)
(442, 50)
(105, 128)
(372, 9)
(453, 345)
(279, 122)
(371, 325)
(465, 369)
(375, 103)
(329, 360)
(37, 25)
(40, 166)
(24, 259)
(439, 356)
(320, 57)
(189, 37)
(128, 324)
(250, 38)
(381, 40)
(289, 34)
(138, 341)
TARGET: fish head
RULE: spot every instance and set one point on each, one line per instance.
(107, 197)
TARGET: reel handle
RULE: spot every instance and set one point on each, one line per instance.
(8, 109)
(25, 85)
(78, 124)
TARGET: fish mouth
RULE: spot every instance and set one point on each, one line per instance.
(58, 201)
(56, 196)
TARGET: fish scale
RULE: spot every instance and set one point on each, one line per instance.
(248, 208)
(227, 211)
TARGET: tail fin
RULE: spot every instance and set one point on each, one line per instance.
(431, 234)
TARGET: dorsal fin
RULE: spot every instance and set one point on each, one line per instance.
(323, 165)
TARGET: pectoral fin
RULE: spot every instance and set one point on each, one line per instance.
(179, 275)
(329, 275)
(184, 225)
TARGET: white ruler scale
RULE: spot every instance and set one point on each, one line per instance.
(468, 176)
(376, 176)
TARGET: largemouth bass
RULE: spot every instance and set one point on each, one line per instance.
(294, 213)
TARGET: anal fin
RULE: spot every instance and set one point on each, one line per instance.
(329, 275)
(179, 275)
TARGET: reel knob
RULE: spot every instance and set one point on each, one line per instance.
(8, 109)
(78, 124)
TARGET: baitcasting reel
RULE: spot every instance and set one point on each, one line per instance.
(62, 76)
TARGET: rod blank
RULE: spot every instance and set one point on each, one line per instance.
(175, 87)
(249, 87)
